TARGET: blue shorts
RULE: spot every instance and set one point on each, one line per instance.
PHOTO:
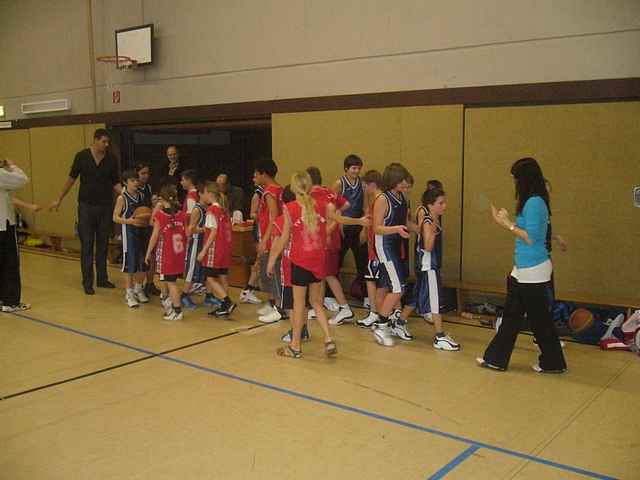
(134, 240)
(393, 275)
(427, 292)
(372, 272)
(192, 267)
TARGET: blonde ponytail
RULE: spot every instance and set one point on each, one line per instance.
(301, 186)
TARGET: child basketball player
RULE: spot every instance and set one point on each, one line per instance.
(390, 227)
(399, 327)
(304, 229)
(373, 189)
(334, 245)
(188, 180)
(428, 264)
(144, 174)
(270, 206)
(216, 250)
(350, 187)
(168, 239)
(286, 303)
(133, 239)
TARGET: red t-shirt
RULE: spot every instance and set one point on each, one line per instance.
(308, 249)
(219, 253)
(285, 267)
(190, 201)
(327, 195)
(275, 191)
(170, 250)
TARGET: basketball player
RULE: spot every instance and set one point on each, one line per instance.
(192, 280)
(168, 239)
(133, 239)
(215, 254)
(390, 227)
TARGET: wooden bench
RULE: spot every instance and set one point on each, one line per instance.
(461, 287)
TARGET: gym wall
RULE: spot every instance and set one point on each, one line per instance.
(591, 155)
(427, 140)
(46, 155)
(220, 51)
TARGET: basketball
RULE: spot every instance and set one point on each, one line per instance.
(581, 319)
(142, 214)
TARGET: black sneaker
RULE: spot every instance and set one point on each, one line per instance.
(106, 284)
(225, 309)
(150, 289)
(89, 290)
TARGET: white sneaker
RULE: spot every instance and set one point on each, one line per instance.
(366, 303)
(368, 321)
(395, 315)
(382, 334)
(173, 316)
(141, 296)
(167, 305)
(445, 343)
(399, 329)
(131, 300)
(247, 296)
(272, 317)
(428, 318)
(331, 304)
(266, 309)
(344, 315)
(311, 314)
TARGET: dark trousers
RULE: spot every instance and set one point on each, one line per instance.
(351, 241)
(9, 267)
(532, 299)
(94, 227)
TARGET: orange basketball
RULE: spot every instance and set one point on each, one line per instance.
(142, 214)
(580, 320)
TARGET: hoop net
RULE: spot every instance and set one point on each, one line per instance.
(120, 61)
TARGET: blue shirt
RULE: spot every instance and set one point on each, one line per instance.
(354, 194)
(534, 218)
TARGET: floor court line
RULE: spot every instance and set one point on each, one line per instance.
(126, 364)
(454, 463)
(330, 403)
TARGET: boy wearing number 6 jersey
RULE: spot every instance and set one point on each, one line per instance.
(169, 240)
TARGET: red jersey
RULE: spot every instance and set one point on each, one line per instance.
(285, 267)
(275, 191)
(326, 195)
(308, 249)
(219, 254)
(170, 250)
(190, 201)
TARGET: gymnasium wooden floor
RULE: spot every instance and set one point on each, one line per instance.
(91, 389)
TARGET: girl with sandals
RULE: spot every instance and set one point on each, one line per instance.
(304, 231)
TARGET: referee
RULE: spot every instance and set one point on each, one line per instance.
(98, 172)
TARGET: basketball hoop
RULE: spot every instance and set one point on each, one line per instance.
(120, 61)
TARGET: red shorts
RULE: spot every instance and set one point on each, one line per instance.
(332, 263)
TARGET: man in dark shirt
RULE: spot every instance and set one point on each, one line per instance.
(98, 172)
(235, 195)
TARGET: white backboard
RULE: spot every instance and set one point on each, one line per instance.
(136, 43)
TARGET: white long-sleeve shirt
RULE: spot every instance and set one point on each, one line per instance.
(11, 179)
